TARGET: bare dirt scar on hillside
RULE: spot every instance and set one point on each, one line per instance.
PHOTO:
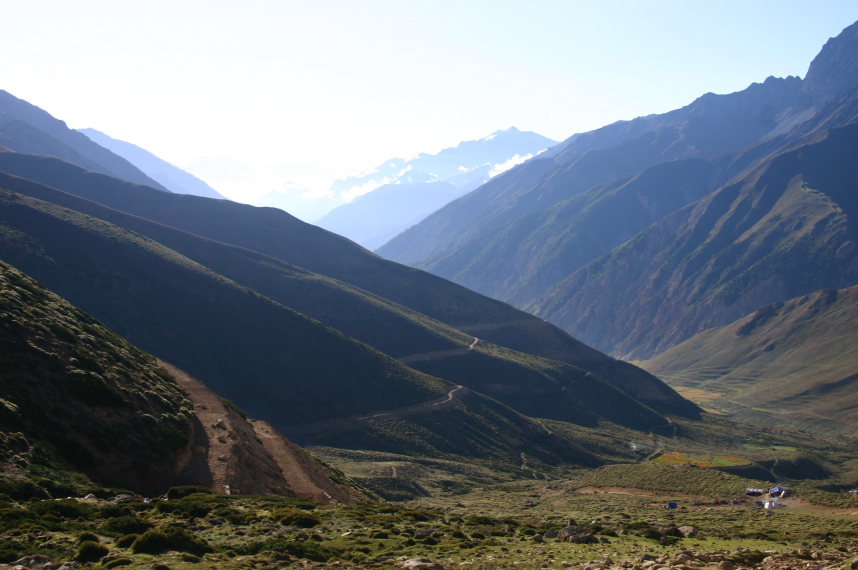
(210, 410)
(295, 465)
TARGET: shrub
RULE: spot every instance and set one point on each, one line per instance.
(301, 549)
(195, 505)
(90, 551)
(297, 518)
(128, 524)
(87, 536)
(10, 518)
(158, 541)
(9, 552)
(18, 488)
(127, 540)
(185, 490)
(419, 515)
(64, 508)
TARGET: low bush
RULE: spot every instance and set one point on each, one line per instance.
(183, 491)
(157, 541)
(128, 524)
(127, 540)
(21, 489)
(87, 536)
(294, 517)
(194, 505)
(91, 551)
(301, 549)
(63, 508)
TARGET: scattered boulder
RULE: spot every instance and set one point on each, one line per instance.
(421, 563)
(33, 561)
(687, 531)
(576, 534)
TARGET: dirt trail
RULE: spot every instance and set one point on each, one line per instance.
(802, 505)
(437, 354)
(232, 454)
(305, 476)
(212, 443)
(308, 433)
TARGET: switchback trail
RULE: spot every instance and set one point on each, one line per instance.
(308, 433)
(436, 354)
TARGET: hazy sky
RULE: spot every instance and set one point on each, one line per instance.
(261, 95)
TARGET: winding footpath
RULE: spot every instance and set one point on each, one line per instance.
(308, 433)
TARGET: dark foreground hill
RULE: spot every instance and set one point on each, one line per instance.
(97, 403)
(76, 395)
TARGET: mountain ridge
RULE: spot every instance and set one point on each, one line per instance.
(512, 229)
(44, 134)
(171, 177)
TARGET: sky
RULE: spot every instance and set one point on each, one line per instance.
(260, 96)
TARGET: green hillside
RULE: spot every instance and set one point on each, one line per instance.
(83, 395)
(789, 363)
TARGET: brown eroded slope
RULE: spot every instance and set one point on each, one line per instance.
(232, 454)
(306, 476)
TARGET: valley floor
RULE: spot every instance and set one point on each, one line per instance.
(522, 525)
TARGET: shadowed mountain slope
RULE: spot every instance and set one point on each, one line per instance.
(203, 322)
(277, 364)
(790, 362)
(710, 125)
(68, 382)
(171, 177)
(28, 129)
(540, 234)
(279, 235)
(96, 402)
(786, 229)
(533, 385)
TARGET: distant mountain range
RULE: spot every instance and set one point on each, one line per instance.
(636, 236)
(400, 192)
(27, 129)
(171, 177)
